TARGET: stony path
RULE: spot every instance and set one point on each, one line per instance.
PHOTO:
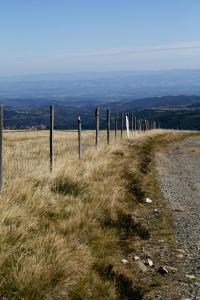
(179, 172)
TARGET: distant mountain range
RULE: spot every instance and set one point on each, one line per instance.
(169, 111)
(172, 98)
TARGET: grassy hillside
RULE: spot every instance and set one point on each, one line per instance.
(64, 235)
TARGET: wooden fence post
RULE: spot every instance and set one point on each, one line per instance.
(116, 116)
(140, 125)
(145, 121)
(97, 127)
(132, 120)
(80, 152)
(122, 124)
(147, 124)
(51, 138)
(108, 125)
(1, 148)
(135, 123)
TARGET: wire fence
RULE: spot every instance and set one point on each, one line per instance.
(24, 151)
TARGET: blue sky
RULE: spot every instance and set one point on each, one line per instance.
(98, 35)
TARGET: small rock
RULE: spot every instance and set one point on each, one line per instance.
(149, 262)
(197, 284)
(180, 250)
(162, 270)
(190, 276)
(136, 258)
(148, 200)
(156, 210)
(141, 266)
(124, 261)
(179, 256)
(161, 241)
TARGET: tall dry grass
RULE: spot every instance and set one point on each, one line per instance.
(28, 152)
(57, 230)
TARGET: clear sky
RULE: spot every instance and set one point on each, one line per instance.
(98, 35)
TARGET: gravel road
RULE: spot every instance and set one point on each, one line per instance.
(179, 173)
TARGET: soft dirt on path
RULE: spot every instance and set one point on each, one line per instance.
(179, 172)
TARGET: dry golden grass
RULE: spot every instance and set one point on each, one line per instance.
(63, 235)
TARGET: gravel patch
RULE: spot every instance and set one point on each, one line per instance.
(179, 174)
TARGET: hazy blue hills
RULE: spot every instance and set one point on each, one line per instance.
(172, 98)
(169, 111)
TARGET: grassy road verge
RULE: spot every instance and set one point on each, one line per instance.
(64, 236)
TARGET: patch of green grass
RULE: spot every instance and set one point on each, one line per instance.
(67, 186)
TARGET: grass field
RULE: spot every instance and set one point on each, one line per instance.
(64, 234)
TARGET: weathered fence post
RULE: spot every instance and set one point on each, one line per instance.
(80, 152)
(97, 127)
(135, 123)
(132, 121)
(51, 137)
(1, 148)
(122, 124)
(145, 125)
(116, 116)
(140, 122)
(108, 125)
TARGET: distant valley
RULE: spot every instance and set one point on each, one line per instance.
(172, 98)
(169, 112)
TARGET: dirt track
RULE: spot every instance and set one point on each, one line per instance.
(179, 173)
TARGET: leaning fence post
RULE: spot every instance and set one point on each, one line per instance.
(80, 152)
(122, 124)
(108, 125)
(1, 148)
(51, 137)
(97, 127)
(116, 116)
